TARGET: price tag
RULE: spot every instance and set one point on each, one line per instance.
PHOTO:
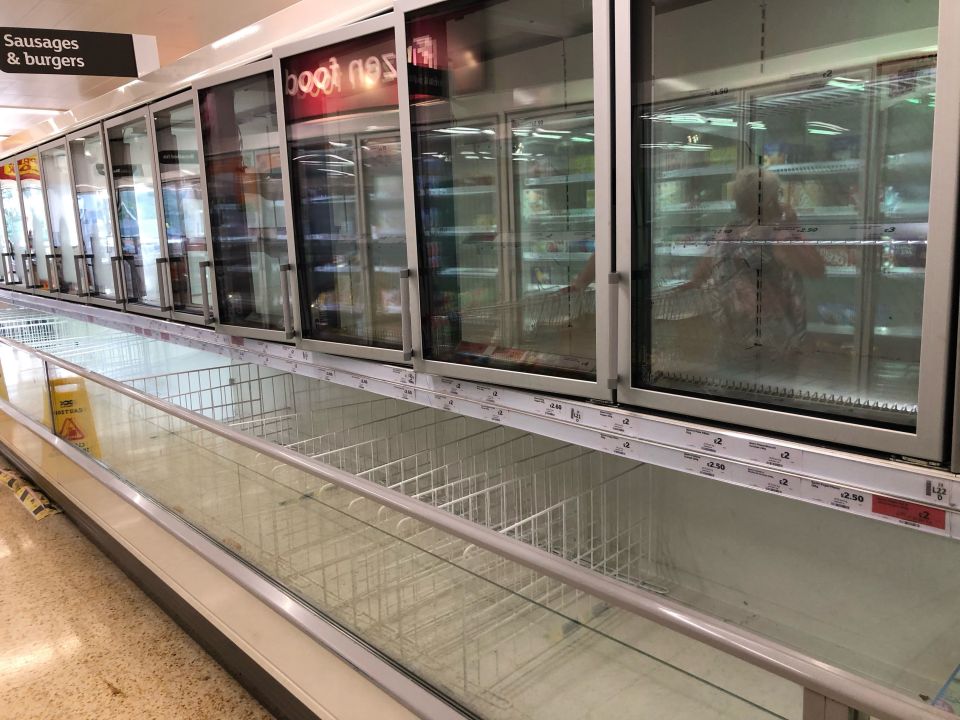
(401, 375)
(774, 455)
(619, 423)
(704, 441)
(772, 481)
(707, 466)
(408, 393)
(359, 381)
(492, 413)
(329, 375)
(910, 513)
(624, 447)
(937, 490)
(550, 407)
(855, 501)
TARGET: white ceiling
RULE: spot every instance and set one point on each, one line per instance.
(181, 26)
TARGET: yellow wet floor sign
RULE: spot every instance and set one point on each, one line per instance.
(72, 415)
(38, 504)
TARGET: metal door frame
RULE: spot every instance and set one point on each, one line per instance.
(163, 311)
(257, 67)
(605, 283)
(319, 42)
(81, 134)
(936, 351)
(61, 143)
(181, 98)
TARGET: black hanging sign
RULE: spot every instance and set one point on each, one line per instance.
(73, 52)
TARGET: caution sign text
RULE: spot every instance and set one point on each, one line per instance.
(72, 415)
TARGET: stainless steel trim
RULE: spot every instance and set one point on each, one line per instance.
(53, 284)
(613, 300)
(382, 673)
(79, 264)
(337, 35)
(246, 70)
(832, 682)
(288, 330)
(204, 292)
(405, 331)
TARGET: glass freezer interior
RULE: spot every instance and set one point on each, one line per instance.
(178, 160)
(502, 127)
(343, 138)
(35, 221)
(241, 152)
(63, 220)
(97, 237)
(781, 239)
(135, 204)
(12, 223)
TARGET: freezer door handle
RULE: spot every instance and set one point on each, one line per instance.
(613, 280)
(53, 278)
(80, 265)
(117, 267)
(162, 277)
(28, 278)
(288, 330)
(205, 292)
(406, 332)
(9, 268)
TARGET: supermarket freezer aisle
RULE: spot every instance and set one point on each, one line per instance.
(79, 639)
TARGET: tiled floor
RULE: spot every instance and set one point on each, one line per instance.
(79, 640)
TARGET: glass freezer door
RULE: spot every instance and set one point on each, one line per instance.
(35, 222)
(12, 224)
(182, 203)
(63, 219)
(241, 153)
(502, 130)
(782, 219)
(343, 142)
(98, 246)
(135, 203)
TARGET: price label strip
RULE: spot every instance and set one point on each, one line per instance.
(854, 501)
(772, 481)
(910, 514)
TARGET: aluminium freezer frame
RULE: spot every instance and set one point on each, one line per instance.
(319, 42)
(181, 98)
(90, 270)
(928, 442)
(602, 387)
(7, 243)
(162, 310)
(257, 67)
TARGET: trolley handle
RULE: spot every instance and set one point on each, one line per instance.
(165, 295)
(205, 292)
(288, 330)
(406, 332)
(53, 278)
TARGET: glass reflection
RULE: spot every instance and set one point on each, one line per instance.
(505, 184)
(93, 205)
(12, 223)
(179, 162)
(245, 195)
(783, 222)
(63, 221)
(35, 222)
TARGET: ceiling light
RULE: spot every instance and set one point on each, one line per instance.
(235, 37)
